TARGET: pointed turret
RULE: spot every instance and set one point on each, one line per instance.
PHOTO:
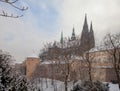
(91, 37)
(85, 22)
(85, 35)
(61, 40)
(73, 37)
(85, 26)
(91, 27)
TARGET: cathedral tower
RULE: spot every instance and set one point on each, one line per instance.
(91, 37)
(87, 37)
(84, 41)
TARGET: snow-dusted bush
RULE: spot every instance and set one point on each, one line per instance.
(88, 86)
(10, 80)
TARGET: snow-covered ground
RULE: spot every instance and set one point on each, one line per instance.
(113, 87)
(46, 85)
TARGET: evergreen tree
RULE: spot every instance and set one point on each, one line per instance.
(10, 80)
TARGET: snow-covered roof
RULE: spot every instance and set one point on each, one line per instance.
(33, 56)
(103, 67)
(77, 57)
(99, 48)
(46, 62)
(55, 62)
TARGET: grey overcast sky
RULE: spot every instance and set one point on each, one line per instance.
(45, 19)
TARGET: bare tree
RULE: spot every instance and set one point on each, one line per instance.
(63, 61)
(62, 64)
(88, 58)
(44, 54)
(13, 4)
(59, 58)
(112, 44)
(62, 57)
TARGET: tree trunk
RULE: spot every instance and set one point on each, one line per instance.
(46, 82)
(118, 77)
(90, 75)
(66, 84)
(119, 84)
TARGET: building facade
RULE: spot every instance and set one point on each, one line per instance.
(102, 68)
(66, 57)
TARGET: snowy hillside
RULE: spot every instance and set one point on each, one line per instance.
(46, 85)
(113, 87)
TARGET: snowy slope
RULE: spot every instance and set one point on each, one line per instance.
(59, 86)
(47, 86)
(113, 87)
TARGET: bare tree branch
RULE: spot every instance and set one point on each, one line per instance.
(112, 43)
(12, 3)
(6, 15)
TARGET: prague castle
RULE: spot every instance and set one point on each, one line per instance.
(73, 45)
(67, 54)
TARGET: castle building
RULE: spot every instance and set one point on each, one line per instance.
(73, 46)
(102, 68)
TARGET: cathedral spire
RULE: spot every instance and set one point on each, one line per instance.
(85, 36)
(91, 27)
(91, 36)
(61, 41)
(73, 34)
(85, 22)
(85, 26)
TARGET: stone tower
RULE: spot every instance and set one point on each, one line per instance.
(87, 40)
(84, 41)
(31, 65)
